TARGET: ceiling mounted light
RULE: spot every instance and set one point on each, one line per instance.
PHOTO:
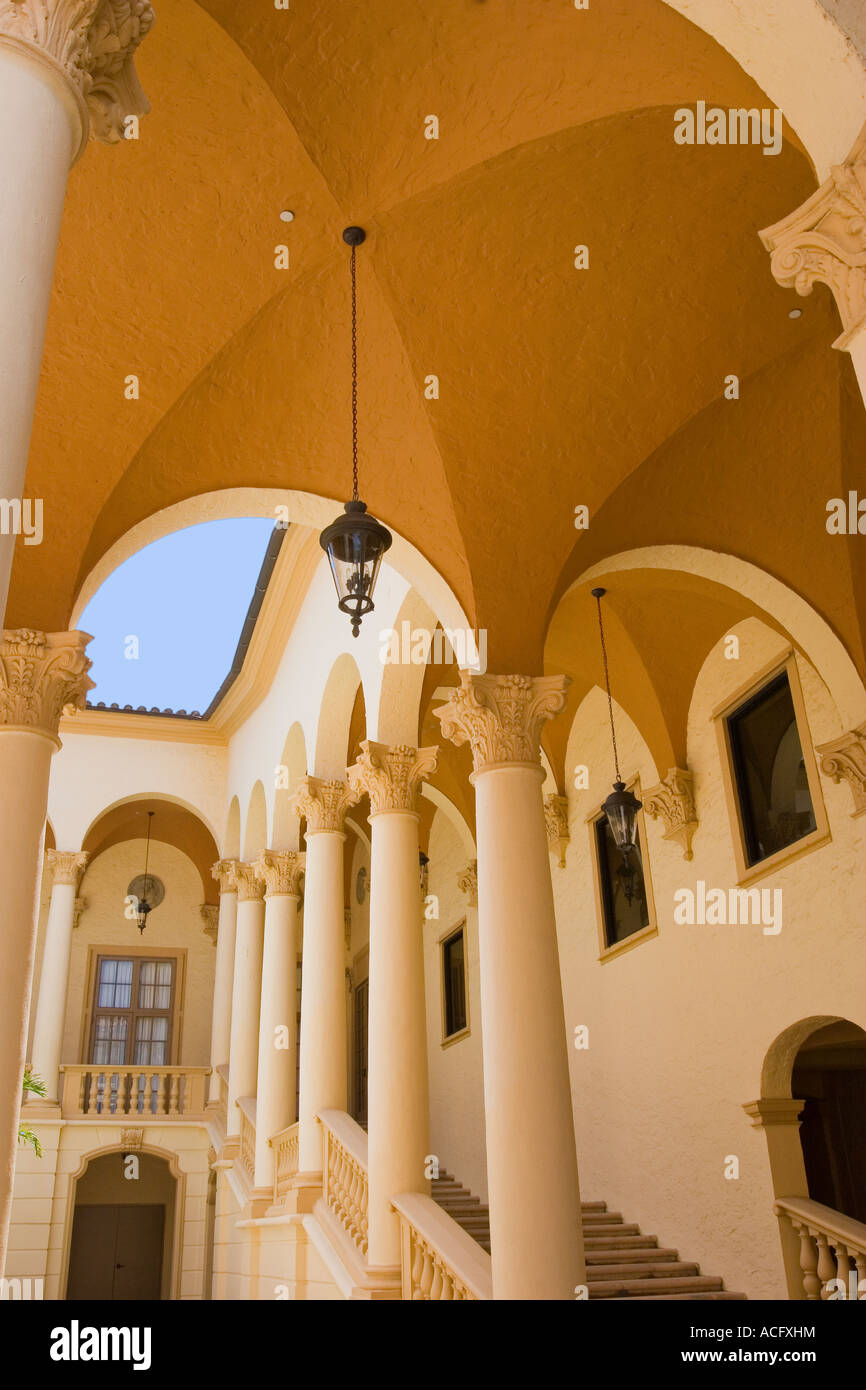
(355, 543)
(287, 216)
(144, 907)
(622, 806)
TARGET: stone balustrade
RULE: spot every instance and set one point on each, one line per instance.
(439, 1260)
(247, 1107)
(344, 1174)
(285, 1147)
(146, 1092)
(832, 1249)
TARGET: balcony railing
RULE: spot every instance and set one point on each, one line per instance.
(146, 1092)
(345, 1174)
(247, 1107)
(285, 1147)
(832, 1248)
(439, 1260)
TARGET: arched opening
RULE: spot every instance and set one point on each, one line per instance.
(829, 1075)
(122, 1242)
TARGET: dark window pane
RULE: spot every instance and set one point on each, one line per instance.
(455, 985)
(623, 892)
(770, 773)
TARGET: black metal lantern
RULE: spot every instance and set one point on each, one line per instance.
(622, 806)
(355, 542)
(144, 906)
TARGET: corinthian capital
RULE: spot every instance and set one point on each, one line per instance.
(280, 872)
(250, 887)
(501, 717)
(67, 866)
(92, 44)
(844, 759)
(391, 775)
(323, 803)
(556, 820)
(224, 873)
(42, 675)
(210, 915)
(674, 800)
(825, 239)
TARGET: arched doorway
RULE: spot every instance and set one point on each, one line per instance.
(122, 1230)
(830, 1076)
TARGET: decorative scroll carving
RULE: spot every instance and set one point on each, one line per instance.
(224, 873)
(467, 882)
(825, 239)
(67, 866)
(391, 775)
(556, 819)
(210, 917)
(501, 717)
(674, 800)
(280, 872)
(42, 675)
(93, 43)
(844, 758)
(323, 803)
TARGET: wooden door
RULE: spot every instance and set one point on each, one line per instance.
(116, 1253)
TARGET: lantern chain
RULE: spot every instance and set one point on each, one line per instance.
(607, 687)
(354, 379)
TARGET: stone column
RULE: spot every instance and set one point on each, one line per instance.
(278, 1043)
(535, 1223)
(40, 674)
(67, 869)
(224, 872)
(323, 1080)
(398, 1108)
(246, 992)
(65, 69)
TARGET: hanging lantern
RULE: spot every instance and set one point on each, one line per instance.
(622, 806)
(355, 542)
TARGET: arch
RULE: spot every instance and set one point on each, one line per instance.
(256, 825)
(293, 766)
(231, 847)
(797, 54)
(778, 1065)
(335, 717)
(450, 811)
(394, 705)
(175, 822)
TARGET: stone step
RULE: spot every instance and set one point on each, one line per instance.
(664, 1269)
(593, 1206)
(721, 1295)
(691, 1284)
(602, 1218)
(620, 1242)
(648, 1254)
(620, 1228)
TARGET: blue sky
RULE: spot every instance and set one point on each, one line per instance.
(184, 598)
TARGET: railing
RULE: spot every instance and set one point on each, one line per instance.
(439, 1260)
(173, 1092)
(247, 1107)
(222, 1072)
(832, 1248)
(344, 1174)
(285, 1147)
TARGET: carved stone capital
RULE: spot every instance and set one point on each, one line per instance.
(467, 882)
(78, 907)
(390, 775)
(323, 803)
(250, 887)
(224, 873)
(556, 819)
(210, 916)
(825, 239)
(501, 717)
(67, 866)
(131, 1139)
(674, 800)
(42, 675)
(91, 43)
(280, 872)
(845, 758)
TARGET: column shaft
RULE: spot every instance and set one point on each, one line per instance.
(246, 1004)
(51, 1004)
(275, 1108)
(223, 980)
(323, 1084)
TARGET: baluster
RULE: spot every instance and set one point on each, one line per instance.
(436, 1282)
(173, 1093)
(100, 1092)
(809, 1264)
(860, 1260)
(426, 1274)
(843, 1269)
(447, 1285)
(826, 1265)
(113, 1088)
(417, 1251)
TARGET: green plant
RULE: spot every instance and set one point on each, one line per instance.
(35, 1086)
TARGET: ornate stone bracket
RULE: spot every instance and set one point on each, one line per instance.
(323, 803)
(501, 717)
(845, 758)
(674, 800)
(467, 882)
(556, 819)
(281, 872)
(210, 917)
(131, 1139)
(78, 907)
(92, 44)
(391, 776)
(42, 675)
(825, 239)
(67, 866)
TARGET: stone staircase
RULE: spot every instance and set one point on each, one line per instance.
(621, 1263)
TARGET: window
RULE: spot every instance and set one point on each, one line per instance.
(132, 1012)
(454, 981)
(624, 903)
(770, 776)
